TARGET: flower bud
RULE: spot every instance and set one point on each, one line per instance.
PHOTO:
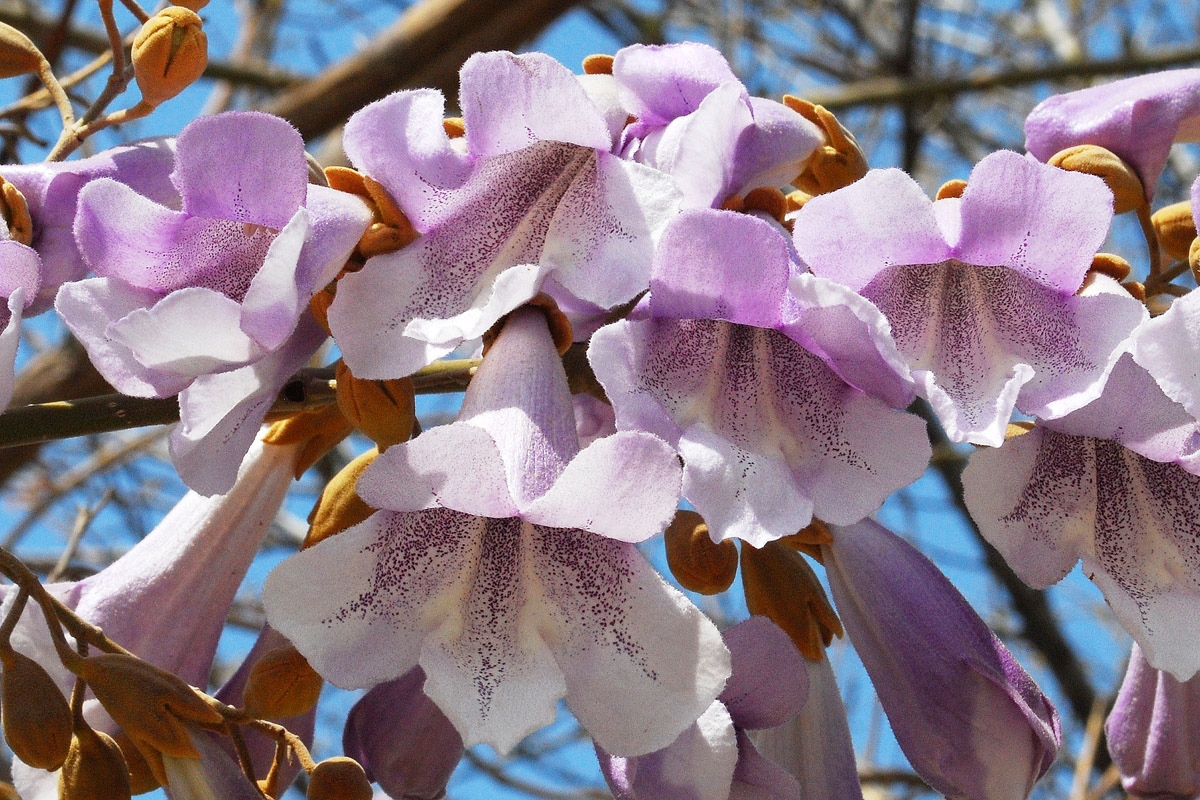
(141, 778)
(192, 5)
(8, 792)
(598, 64)
(780, 584)
(320, 429)
(767, 199)
(339, 506)
(952, 188)
(808, 540)
(1090, 159)
(281, 684)
(169, 53)
(36, 717)
(384, 410)
(16, 213)
(1111, 265)
(339, 778)
(18, 54)
(1176, 229)
(699, 564)
(839, 162)
(94, 769)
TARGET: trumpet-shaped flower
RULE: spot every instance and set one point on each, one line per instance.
(537, 194)
(211, 301)
(502, 564)
(742, 364)
(1154, 733)
(715, 759)
(1137, 118)
(696, 122)
(972, 722)
(167, 598)
(1119, 490)
(982, 292)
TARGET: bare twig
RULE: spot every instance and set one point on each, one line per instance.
(83, 521)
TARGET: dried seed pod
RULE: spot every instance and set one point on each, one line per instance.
(339, 506)
(699, 564)
(1126, 186)
(780, 584)
(383, 410)
(1176, 229)
(36, 716)
(94, 769)
(339, 778)
(169, 53)
(18, 54)
(281, 684)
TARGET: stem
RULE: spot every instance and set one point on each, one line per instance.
(135, 9)
(14, 614)
(76, 136)
(20, 575)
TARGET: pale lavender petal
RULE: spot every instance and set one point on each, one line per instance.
(1153, 734)
(403, 741)
(625, 486)
(594, 418)
(10, 338)
(700, 151)
(1168, 347)
(604, 94)
(970, 720)
(698, 765)
(1047, 499)
(814, 746)
(880, 220)
(1042, 221)
(775, 149)
(88, 308)
(758, 778)
(661, 82)
(243, 166)
(1137, 118)
(190, 332)
(769, 681)
(336, 221)
(720, 265)
(768, 433)
(510, 102)
(219, 414)
(400, 142)
(279, 293)
(983, 339)
(22, 269)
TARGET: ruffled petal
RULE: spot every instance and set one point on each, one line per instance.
(661, 82)
(769, 682)
(510, 102)
(276, 297)
(700, 151)
(1041, 221)
(1168, 347)
(22, 269)
(880, 220)
(265, 174)
(775, 149)
(88, 308)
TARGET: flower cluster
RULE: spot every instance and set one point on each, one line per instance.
(745, 314)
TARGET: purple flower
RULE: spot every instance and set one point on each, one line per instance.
(1118, 490)
(981, 292)
(1169, 345)
(503, 566)
(715, 755)
(1136, 118)
(696, 122)
(971, 721)
(1154, 733)
(166, 599)
(211, 301)
(401, 738)
(537, 194)
(742, 364)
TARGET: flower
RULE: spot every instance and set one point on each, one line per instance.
(750, 369)
(1137, 118)
(1119, 490)
(982, 292)
(492, 568)
(211, 301)
(166, 599)
(1152, 733)
(970, 720)
(696, 122)
(537, 194)
(716, 755)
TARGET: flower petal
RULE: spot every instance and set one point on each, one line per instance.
(275, 298)
(661, 82)
(769, 682)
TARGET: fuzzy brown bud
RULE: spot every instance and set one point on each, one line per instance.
(169, 53)
(281, 684)
(191, 5)
(1176, 229)
(455, 127)
(319, 428)
(16, 213)
(768, 200)
(808, 540)
(698, 563)
(18, 54)
(8, 792)
(952, 188)
(1090, 159)
(339, 506)
(339, 778)
(36, 717)
(1111, 265)
(780, 584)
(94, 769)
(383, 410)
(839, 162)
(560, 326)
(598, 64)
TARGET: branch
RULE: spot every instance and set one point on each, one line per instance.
(885, 91)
